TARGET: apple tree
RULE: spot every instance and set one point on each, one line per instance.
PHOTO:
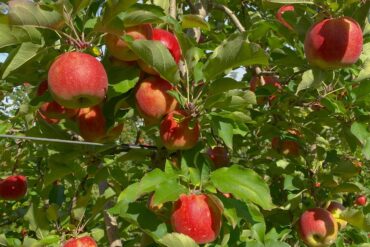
(184, 123)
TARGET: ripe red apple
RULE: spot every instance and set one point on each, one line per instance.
(167, 39)
(198, 216)
(361, 200)
(287, 146)
(257, 81)
(81, 242)
(317, 227)
(336, 208)
(152, 100)
(333, 43)
(179, 131)
(92, 126)
(77, 80)
(13, 187)
(119, 49)
(219, 156)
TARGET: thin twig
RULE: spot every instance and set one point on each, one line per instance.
(173, 9)
(232, 16)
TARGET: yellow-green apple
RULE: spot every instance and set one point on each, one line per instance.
(167, 39)
(281, 11)
(92, 125)
(317, 227)
(152, 100)
(13, 187)
(119, 48)
(77, 80)
(197, 216)
(336, 208)
(333, 43)
(81, 242)
(179, 130)
(258, 81)
(361, 200)
(52, 110)
(219, 156)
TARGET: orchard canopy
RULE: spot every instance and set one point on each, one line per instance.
(185, 123)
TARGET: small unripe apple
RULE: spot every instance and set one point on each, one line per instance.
(336, 208)
(361, 200)
(152, 100)
(81, 242)
(317, 227)
(333, 43)
(179, 130)
(197, 216)
(77, 80)
(219, 156)
(92, 125)
(167, 39)
(13, 187)
(119, 49)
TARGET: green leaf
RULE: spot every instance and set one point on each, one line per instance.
(168, 191)
(24, 53)
(140, 16)
(364, 72)
(156, 55)
(17, 35)
(244, 184)
(310, 79)
(232, 53)
(191, 21)
(225, 131)
(291, 1)
(121, 79)
(360, 132)
(178, 240)
(79, 5)
(23, 12)
(114, 7)
(356, 218)
(224, 84)
(346, 188)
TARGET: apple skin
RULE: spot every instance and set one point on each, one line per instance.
(361, 200)
(281, 11)
(287, 146)
(77, 80)
(13, 188)
(167, 39)
(317, 227)
(152, 100)
(336, 208)
(219, 156)
(333, 43)
(269, 80)
(92, 126)
(178, 135)
(81, 242)
(119, 49)
(197, 216)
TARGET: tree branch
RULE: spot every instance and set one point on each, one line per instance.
(232, 16)
(109, 220)
(173, 9)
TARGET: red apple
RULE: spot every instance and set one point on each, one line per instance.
(290, 147)
(179, 131)
(257, 81)
(119, 49)
(287, 146)
(13, 187)
(92, 126)
(198, 216)
(361, 200)
(167, 39)
(333, 43)
(81, 242)
(219, 156)
(77, 80)
(317, 227)
(152, 100)
(281, 11)
(336, 208)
